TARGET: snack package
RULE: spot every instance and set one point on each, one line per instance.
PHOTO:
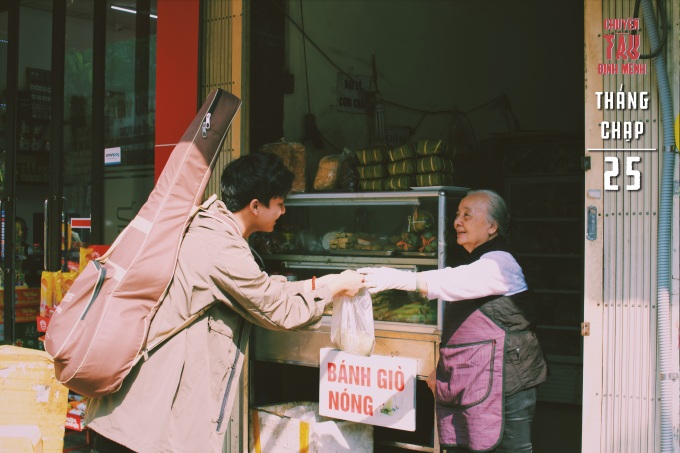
(58, 294)
(91, 253)
(294, 157)
(309, 241)
(352, 329)
(20, 280)
(67, 279)
(47, 294)
(75, 411)
(349, 176)
(85, 257)
(327, 177)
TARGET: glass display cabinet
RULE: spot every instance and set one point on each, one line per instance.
(323, 233)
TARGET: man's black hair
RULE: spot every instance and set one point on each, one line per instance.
(260, 176)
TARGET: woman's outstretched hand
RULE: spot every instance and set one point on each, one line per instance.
(379, 279)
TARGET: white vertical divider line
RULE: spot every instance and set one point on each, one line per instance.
(632, 302)
(630, 374)
(638, 277)
(648, 428)
(653, 350)
(616, 238)
(609, 271)
(609, 293)
(673, 55)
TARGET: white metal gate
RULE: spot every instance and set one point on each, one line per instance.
(621, 400)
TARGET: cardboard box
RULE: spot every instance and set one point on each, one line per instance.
(21, 439)
(272, 431)
(31, 395)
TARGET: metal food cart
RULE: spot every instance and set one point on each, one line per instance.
(385, 215)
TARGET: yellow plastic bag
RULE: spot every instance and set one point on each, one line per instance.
(58, 295)
(47, 294)
(67, 279)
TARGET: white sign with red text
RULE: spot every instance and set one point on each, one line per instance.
(376, 390)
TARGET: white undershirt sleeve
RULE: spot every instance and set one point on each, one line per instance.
(495, 273)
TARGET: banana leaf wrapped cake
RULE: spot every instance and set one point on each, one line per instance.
(400, 183)
(435, 164)
(372, 172)
(406, 151)
(372, 184)
(434, 179)
(371, 156)
(403, 167)
(429, 147)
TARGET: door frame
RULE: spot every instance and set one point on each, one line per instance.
(593, 264)
(54, 202)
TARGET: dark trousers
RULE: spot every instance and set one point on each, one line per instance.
(519, 414)
(106, 445)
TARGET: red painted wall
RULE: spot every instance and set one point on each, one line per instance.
(176, 74)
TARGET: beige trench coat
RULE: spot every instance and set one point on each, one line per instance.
(180, 398)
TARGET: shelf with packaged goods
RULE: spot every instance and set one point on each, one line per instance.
(558, 291)
(547, 219)
(344, 262)
(403, 197)
(549, 255)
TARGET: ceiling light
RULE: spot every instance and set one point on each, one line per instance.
(126, 10)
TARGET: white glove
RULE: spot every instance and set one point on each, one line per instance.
(379, 279)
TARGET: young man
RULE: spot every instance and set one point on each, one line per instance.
(180, 399)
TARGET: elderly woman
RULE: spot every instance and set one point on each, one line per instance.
(490, 361)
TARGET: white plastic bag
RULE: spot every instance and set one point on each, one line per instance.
(352, 324)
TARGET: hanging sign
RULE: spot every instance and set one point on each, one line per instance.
(397, 135)
(376, 390)
(349, 93)
(84, 222)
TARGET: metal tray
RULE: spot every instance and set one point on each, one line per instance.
(363, 252)
(421, 254)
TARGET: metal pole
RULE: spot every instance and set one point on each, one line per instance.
(98, 122)
(441, 253)
(57, 145)
(8, 202)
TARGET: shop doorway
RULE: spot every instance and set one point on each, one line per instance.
(456, 70)
(77, 84)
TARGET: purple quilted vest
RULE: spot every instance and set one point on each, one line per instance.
(470, 397)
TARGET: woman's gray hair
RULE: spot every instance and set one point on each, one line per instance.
(496, 211)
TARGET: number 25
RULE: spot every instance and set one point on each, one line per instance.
(614, 172)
